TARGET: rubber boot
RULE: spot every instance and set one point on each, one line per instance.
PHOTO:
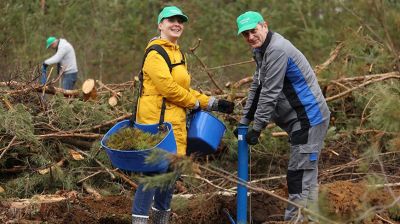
(160, 217)
(139, 219)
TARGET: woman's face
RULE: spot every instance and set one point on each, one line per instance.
(171, 28)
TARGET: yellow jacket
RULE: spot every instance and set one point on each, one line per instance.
(158, 82)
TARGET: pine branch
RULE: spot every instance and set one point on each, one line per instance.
(342, 94)
(9, 145)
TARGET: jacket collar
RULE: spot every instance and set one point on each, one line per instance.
(265, 44)
(58, 43)
(163, 42)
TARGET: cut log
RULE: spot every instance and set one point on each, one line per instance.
(92, 191)
(113, 101)
(76, 155)
(89, 89)
(7, 103)
(37, 199)
(14, 169)
(242, 82)
(21, 207)
(82, 144)
(279, 134)
(46, 170)
(88, 86)
(125, 178)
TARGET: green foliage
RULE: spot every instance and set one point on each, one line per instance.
(332, 134)
(385, 112)
(134, 139)
(73, 113)
(394, 143)
(98, 153)
(178, 166)
(180, 204)
(39, 160)
(18, 122)
(394, 212)
(35, 183)
(163, 181)
(109, 37)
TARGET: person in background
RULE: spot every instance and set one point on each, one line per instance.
(161, 85)
(65, 60)
(285, 90)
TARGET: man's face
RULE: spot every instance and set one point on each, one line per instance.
(54, 44)
(256, 37)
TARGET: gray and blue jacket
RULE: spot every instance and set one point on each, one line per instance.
(284, 89)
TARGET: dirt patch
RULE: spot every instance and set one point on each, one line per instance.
(341, 201)
(217, 209)
(344, 201)
(265, 207)
(205, 209)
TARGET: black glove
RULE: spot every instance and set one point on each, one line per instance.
(225, 106)
(252, 137)
(236, 131)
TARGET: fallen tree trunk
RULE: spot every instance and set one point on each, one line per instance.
(47, 89)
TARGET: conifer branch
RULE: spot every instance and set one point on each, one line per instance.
(332, 56)
(9, 145)
(342, 94)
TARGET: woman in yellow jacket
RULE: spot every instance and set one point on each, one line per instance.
(158, 83)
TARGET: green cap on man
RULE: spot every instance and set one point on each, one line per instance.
(170, 11)
(49, 41)
(248, 21)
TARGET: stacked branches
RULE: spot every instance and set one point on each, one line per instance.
(43, 135)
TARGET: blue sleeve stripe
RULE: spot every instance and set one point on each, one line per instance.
(304, 93)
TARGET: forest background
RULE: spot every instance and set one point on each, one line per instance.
(109, 36)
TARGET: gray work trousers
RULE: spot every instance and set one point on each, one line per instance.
(302, 175)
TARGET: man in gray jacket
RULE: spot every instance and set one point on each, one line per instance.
(285, 90)
(65, 60)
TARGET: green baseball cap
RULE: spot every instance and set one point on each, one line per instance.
(170, 11)
(49, 41)
(248, 21)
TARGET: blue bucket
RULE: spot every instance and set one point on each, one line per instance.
(204, 134)
(134, 160)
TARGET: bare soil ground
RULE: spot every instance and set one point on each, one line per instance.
(344, 196)
(344, 200)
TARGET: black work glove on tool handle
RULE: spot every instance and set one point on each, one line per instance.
(223, 106)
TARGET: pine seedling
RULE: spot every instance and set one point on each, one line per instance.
(178, 165)
(134, 139)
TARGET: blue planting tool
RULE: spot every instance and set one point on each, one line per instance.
(243, 173)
